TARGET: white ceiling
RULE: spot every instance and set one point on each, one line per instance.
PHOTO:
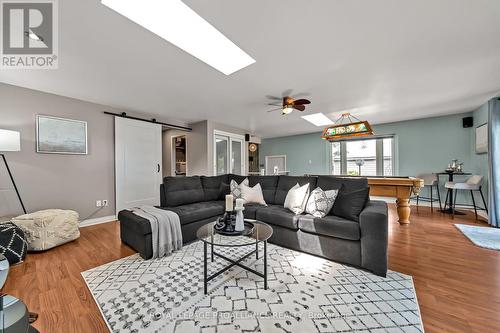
(387, 60)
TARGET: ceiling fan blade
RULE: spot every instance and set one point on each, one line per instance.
(302, 101)
(275, 110)
(287, 92)
(299, 107)
(275, 98)
(274, 104)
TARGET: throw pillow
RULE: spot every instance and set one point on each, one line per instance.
(350, 204)
(296, 198)
(252, 194)
(235, 187)
(13, 243)
(320, 202)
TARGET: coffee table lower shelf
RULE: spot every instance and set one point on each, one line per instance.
(233, 263)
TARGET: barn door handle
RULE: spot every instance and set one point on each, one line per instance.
(158, 167)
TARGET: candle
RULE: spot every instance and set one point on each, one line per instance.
(229, 203)
(239, 203)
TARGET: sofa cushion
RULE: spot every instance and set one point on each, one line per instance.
(250, 211)
(268, 185)
(350, 204)
(224, 190)
(198, 211)
(285, 183)
(331, 226)
(182, 190)
(278, 215)
(212, 186)
(335, 183)
(236, 178)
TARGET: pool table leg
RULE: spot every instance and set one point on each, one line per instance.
(403, 207)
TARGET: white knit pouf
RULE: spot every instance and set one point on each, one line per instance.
(49, 228)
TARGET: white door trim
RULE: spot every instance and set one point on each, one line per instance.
(230, 137)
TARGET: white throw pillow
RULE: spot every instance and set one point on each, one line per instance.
(252, 194)
(321, 202)
(235, 187)
(296, 198)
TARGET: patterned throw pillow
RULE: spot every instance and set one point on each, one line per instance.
(13, 243)
(235, 187)
(296, 198)
(321, 202)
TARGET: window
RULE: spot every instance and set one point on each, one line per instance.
(363, 157)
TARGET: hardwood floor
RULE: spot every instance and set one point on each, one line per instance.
(457, 283)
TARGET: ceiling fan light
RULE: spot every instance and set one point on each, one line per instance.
(287, 110)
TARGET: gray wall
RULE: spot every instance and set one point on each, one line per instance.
(423, 145)
(197, 150)
(53, 180)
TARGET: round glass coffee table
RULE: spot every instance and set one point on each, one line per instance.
(260, 234)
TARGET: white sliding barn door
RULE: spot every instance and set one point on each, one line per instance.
(138, 158)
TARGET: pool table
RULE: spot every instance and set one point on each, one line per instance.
(400, 188)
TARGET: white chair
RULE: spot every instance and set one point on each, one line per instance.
(473, 183)
(430, 181)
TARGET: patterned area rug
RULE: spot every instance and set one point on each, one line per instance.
(305, 294)
(487, 237)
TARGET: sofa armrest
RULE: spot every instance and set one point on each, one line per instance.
(163, 197)
(374, 224)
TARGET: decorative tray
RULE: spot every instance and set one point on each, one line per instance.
(228, 229)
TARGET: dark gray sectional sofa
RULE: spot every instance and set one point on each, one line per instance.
(199, 200)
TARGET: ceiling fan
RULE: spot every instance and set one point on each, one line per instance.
(289, 104)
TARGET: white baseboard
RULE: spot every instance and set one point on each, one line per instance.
(98, 220)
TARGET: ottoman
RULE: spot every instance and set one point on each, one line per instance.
(49, 228)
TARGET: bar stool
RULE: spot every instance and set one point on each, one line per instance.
(430, 181)
(473, 183)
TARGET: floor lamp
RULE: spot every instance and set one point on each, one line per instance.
(11, 141)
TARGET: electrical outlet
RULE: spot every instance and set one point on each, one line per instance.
(98, 203)
(105, 203)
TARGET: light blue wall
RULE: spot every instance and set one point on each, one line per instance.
(306, 153)
(422, 146)
(428, 145)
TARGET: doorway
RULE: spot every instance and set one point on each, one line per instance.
(179, 153)
(229, 154)
(276, 165)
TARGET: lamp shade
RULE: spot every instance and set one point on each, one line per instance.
(10, 140)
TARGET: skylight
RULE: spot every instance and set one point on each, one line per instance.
(318, 119)
(180, 25)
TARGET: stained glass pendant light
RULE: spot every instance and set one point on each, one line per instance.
(345, 127)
